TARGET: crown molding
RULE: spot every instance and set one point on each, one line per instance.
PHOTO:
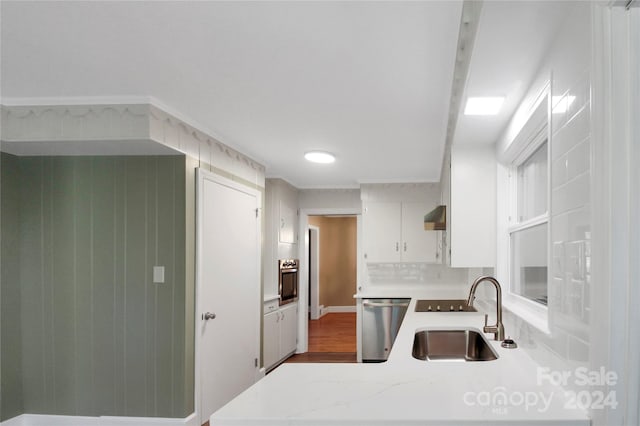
(400, 192)
(59, 125)
(78, 100)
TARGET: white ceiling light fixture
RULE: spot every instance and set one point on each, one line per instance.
(321, 157)
(483, 105)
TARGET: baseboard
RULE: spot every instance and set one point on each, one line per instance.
(321, 311)
(338, 309)
(47, 420)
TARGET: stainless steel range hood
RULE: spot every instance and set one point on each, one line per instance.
(436, 219)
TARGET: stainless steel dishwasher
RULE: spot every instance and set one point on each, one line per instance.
(381, 320)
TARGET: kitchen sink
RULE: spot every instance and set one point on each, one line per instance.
(452, 345)
(443, 305)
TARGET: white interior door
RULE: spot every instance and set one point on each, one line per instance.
(228, 288)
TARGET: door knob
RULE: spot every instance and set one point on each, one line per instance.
(209, 316)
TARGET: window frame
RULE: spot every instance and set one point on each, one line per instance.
(515, 225)
(525, 144)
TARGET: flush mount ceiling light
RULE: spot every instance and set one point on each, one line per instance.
(321, 157)
(561, 103)
(483, 105)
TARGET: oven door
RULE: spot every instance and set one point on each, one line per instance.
(288, 286)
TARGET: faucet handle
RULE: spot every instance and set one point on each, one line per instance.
(486, 318)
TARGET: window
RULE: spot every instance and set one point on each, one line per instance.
(532, 185)
(528, 231)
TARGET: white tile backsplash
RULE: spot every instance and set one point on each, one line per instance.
(415, 274)
(572, 195)
(559, 171)
(572, 164)
(581, 91)
(579, 224)
(567, 136)
(558, 259)
(577, 350)
(578, 159)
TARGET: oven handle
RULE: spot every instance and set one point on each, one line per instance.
(288, 271)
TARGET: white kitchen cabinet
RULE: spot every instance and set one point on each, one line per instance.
(279, 333)
(394, 232)
(471, 211)
(281, 224)
(288, 329)
(382, 229)
(418, 245)
(287, 224)
(271, 336)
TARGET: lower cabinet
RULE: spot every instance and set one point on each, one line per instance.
(280, 333)
(271, 333)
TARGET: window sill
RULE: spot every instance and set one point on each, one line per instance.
(536, 316)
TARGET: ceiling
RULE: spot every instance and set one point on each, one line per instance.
(368, 81)
(510, 44)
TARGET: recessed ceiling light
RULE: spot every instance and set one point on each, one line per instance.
(483, 105)
(561, 104)
(320, 157)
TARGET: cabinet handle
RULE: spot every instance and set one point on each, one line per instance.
(405, 246)
(385, 304)
(397, 246)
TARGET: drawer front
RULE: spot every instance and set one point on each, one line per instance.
(271, 306)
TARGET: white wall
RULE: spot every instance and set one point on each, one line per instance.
(567, 65)
(330, 199)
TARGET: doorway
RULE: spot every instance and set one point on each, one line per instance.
(332, 267)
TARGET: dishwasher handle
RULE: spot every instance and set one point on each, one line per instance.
(385, 304)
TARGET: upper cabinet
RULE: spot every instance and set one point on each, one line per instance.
(418, 245)
(281, 224)
(288, 215)
(382, 231)
(393, 224)
(469, 191)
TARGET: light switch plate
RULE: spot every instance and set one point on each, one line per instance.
(158, 274)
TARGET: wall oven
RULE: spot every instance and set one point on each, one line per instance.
(288, 280)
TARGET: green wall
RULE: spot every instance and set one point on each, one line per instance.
(98, 336)
(11, 342)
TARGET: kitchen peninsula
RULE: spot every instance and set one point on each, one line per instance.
(406, 391)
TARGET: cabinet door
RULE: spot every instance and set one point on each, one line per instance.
(472, 229)
(381, 223)
(418, 245)
(271, 336)
(288, 329)
(286, 233)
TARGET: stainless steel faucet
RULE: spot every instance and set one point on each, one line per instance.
(498, 328)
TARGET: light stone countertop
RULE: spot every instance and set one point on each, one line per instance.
(406, 391)
(270, 297)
